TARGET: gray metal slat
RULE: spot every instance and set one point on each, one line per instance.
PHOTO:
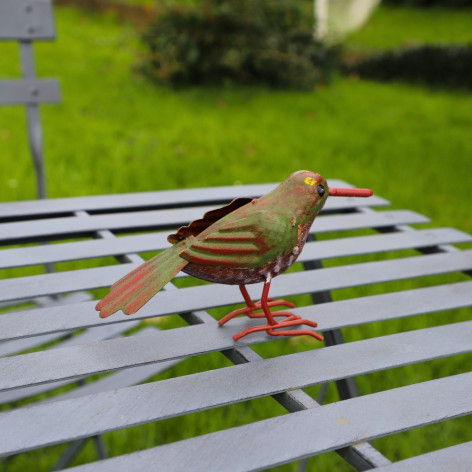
(362, 245)
(128, 201)
(19, 257)
(29, 91)
(295, 436)
(77, 361)
(74, 225)
(26, 20)
(451, 459)
(166, 218)
(37, 255)
(48, 301)
(122, 201)
(97, 333)
(45, 425)
(91, 335)
(24, 288)
(123, 378)
(372, 308)
(8, 348)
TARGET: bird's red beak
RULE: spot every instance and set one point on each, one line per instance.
(350, 192)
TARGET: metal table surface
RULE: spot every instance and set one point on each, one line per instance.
(53, 345)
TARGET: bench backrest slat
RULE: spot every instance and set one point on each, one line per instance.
(26, 20)
(29, 91)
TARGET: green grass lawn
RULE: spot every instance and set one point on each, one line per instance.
(392, 27)
(121, 134)
(115, 132)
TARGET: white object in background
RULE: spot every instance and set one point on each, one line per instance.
(334, 19)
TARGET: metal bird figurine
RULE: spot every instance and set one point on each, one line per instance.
(244, 242)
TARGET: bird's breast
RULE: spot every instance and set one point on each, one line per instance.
(233, 275)
(241, 275)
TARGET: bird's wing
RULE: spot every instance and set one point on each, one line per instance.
(247, 242)
(195, 227)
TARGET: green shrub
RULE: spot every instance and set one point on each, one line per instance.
(241, 41)
(436, 65)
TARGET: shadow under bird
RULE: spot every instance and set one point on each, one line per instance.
(247, 241)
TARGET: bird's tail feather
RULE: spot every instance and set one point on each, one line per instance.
(135, 289)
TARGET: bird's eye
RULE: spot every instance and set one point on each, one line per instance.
(320, 189)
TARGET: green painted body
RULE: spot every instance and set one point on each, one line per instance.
(262, 230)
(244, 242)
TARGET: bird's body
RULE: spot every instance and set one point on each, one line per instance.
(247, 241)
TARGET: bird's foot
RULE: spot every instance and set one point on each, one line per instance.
(279, 328)
(251, 307)
(273, 328)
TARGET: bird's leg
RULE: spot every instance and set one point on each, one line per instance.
(251, 307)
(276, 328)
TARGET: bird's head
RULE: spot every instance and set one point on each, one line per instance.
(305, 192)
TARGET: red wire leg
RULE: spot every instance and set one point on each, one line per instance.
(251, 307)
(275, 328)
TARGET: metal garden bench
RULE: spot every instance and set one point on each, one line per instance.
(95, 408)
(68, 376)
